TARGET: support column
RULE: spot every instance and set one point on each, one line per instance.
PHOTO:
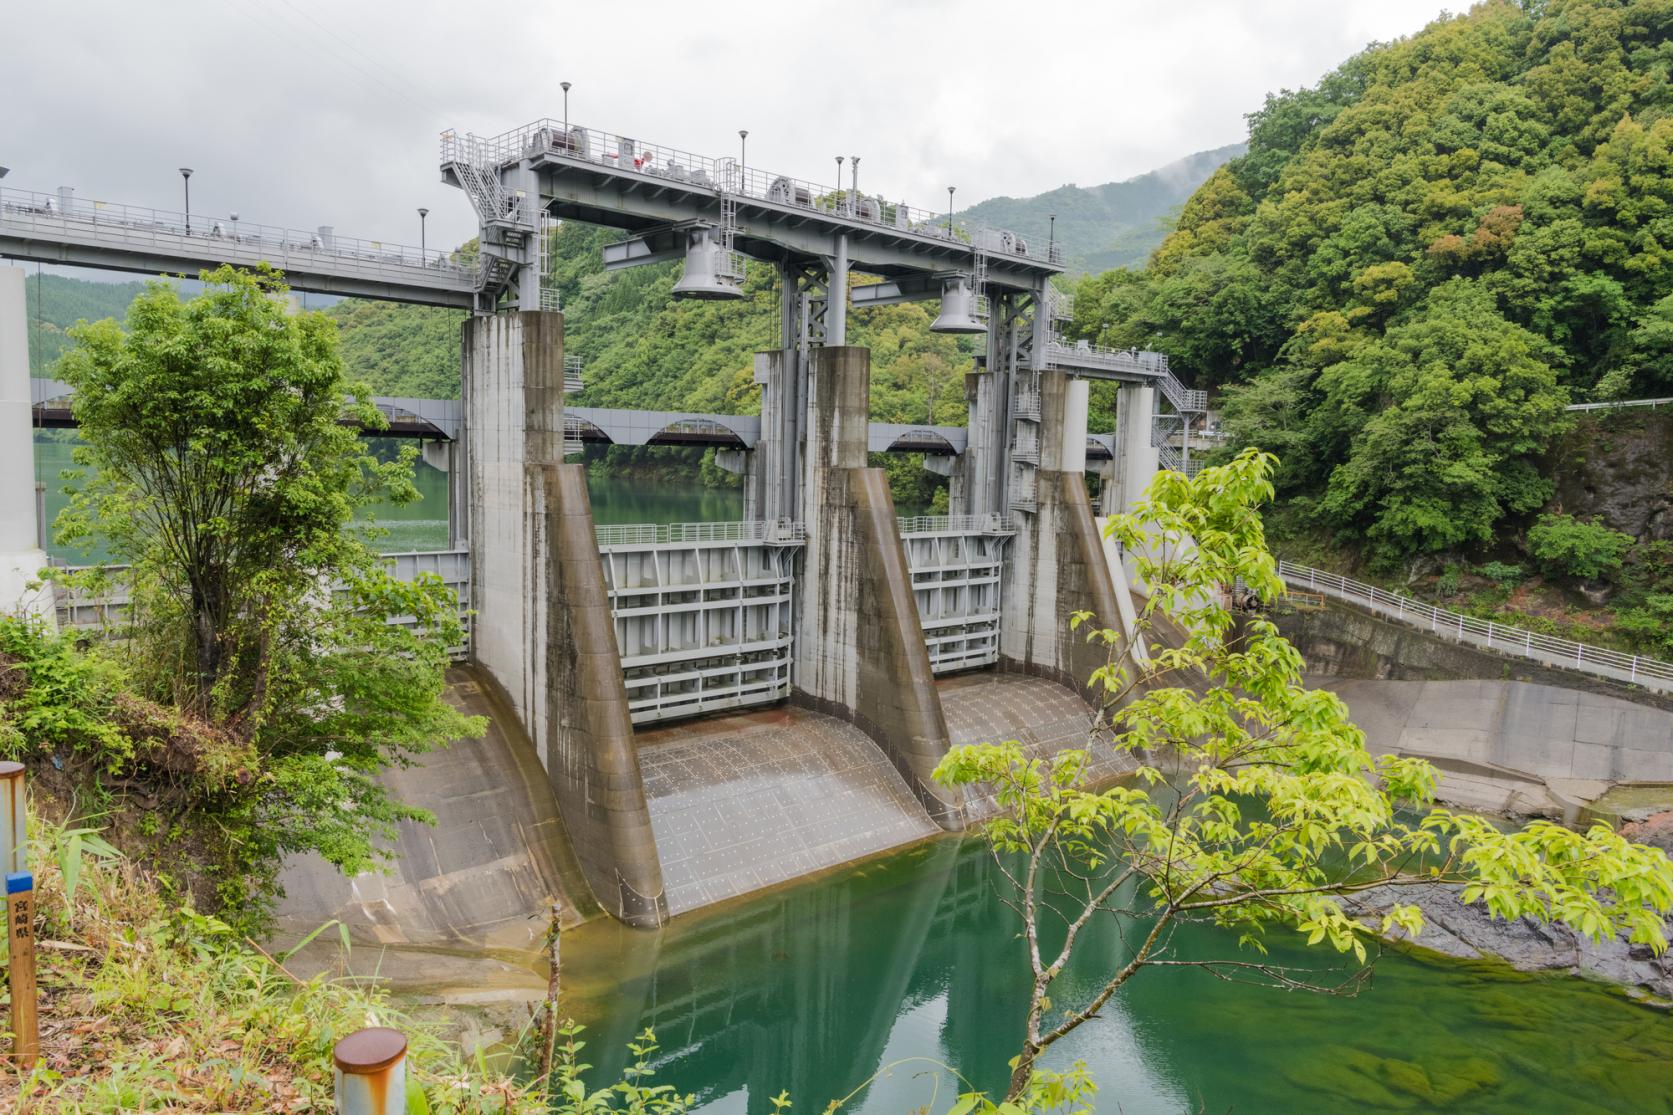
(860, 650)
(544, 631)
(22, 561)
(1057, 565)
(1136, 459)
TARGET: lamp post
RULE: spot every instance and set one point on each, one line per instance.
(743, 146)
(186, 182)
(854, 163)
(422, 213)
(564, 85)
(950, 190)
(836, 202)
(1051, 240)
(235, 228)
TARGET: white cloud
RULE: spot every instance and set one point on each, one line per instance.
(301, 112)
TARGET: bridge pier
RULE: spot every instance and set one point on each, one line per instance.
(860, 651)
(544, 630)
(1057, 563)
(21, 558)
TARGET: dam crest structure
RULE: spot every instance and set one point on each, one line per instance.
(716, 707)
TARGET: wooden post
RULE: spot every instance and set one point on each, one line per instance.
(20, 933)
(20, 915)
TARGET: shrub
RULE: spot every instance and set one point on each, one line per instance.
(1566, 546)
(1502, 574)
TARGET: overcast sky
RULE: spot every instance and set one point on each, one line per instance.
(308, 112)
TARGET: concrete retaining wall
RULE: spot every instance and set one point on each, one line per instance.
(1341, 641)
(1543, 730)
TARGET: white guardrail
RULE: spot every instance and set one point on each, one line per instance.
(63, 216)
(779, 532)
(1652, 673)
(1620, 403)
(953, 524)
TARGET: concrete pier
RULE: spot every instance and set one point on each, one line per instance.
(1057, 564)
(544, 630)
(860, 651)
(21, 557)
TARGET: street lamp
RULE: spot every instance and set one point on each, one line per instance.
(564, 85)
(422, 213)
(1051, 241)
(186, 181)
(234, 228)
(836, 200)
(743, 145)
(854, 163)
(950, 190)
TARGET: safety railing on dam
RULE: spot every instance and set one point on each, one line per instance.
(704, 613)
(956, 563)
(1548, 650)
(106, 605)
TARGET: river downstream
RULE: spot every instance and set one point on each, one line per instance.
(910, 960)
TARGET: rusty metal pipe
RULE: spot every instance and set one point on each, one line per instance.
(371, 1072)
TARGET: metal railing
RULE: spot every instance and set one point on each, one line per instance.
(1084, 354)
(79, 609)
(1651, 403)
(1172, 459)
(952, 524)
(62, 216)
(623, 154)
(1548, 650)
(777, 532)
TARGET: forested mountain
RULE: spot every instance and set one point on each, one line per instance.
(55, 303)
(1117, 224)
(1421, 259)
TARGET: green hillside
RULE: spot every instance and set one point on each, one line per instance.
(1421, 259)
(56, 302)
(1117, 224)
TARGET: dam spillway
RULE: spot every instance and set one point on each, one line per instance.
(496, 854)
(744, 801)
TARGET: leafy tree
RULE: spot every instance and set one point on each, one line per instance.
(1459, 402)
(222, 476)
(1572, 547)
(1521, 149)
(1255, 806)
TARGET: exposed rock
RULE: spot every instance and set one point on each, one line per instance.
(1616, 465)
(1469, 932)
(1654, 829)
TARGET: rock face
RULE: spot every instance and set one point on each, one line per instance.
(1618, 465)
(1469, 932)
(1656, 830)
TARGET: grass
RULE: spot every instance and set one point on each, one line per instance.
(147, 1008)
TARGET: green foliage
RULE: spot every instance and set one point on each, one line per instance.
(1419, 260)
(148, 1008)
(634, 1092)
(1570, 547)
(1255, 806)
(224, 480)
(1501, 573)
(1650, 626)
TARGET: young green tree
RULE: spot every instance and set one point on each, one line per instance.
(1255, 806)
(221, 473)
(1571, 547)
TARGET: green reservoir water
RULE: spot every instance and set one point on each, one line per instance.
(909, 961)
(422, 525)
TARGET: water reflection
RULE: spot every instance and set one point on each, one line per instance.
(814, 988)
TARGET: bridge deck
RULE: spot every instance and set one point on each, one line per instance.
(56, 228)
